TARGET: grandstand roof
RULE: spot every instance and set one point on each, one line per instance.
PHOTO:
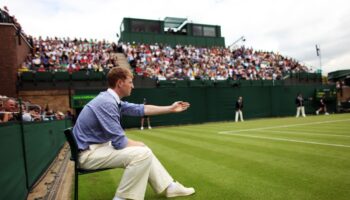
(340, 74)
(173, 22)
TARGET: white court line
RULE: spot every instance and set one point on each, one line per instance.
(284, 126)
(307, 133)
(287, 140)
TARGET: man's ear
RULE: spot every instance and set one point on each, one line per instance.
(119, 83)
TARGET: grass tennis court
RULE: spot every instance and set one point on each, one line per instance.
(276, 158)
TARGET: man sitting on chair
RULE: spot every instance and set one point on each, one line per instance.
(103, 144)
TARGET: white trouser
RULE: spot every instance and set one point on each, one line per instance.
(239, 113)
(140, 164)
(300, 109)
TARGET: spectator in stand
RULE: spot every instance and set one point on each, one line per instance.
(5, 17)
(9, 110)
(162, 62)
(36, 62)
(23, 68)
(35, 113)
(188, 62)
(69, 115)
(59, 115)
(299, 101)
(41, 68)
(71, 55)
(27, 115)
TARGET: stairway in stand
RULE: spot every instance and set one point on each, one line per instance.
(122, 61)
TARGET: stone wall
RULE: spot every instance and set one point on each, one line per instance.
(11, 56)
(57, 100)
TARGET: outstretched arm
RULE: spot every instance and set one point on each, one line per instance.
(176, 107)
(134, 143)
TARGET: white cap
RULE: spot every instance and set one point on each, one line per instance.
(27, 117)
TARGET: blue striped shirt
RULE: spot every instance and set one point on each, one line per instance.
(99, 121)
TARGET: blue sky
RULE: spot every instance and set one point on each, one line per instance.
(290, 27)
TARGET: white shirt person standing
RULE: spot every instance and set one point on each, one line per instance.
(299, 101)
(239, 108)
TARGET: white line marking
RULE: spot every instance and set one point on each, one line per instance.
(288, 140)
(307, 133)
(284, 126)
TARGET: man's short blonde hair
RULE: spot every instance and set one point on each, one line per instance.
(118, 73)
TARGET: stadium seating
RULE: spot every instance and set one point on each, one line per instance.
(80, 76)
(207, 83)
(245, 83)
(43, 76)
(166, 84)
(222, 83)
(234, 83)
(198, 83)
(27, 77)
(181, 83)
(62, 76)
(96, 76)
(256, 83)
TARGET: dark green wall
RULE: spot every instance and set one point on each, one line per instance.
(12, 167)
(127, 35)
(172, 40)
(36, 150)
(217, 104)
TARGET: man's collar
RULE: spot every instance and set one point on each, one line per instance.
(114, 94)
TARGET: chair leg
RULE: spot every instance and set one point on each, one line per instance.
(76, 183)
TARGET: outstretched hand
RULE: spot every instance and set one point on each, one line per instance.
(179, 106)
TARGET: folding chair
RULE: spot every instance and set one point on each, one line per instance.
(74, 157)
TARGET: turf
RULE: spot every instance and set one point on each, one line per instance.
(275, 158)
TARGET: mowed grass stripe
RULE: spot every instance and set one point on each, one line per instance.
(264, 169)
(244, 143)
(326, 130)
(188, 165)
(337, 125)
(313, 137)
(254, 152)
(309, 139)
(263, 123)
(303, 126)
(318, 130)
(290, 140)
(306, 133)
(226, 167)
(285, 126)
(251, 164)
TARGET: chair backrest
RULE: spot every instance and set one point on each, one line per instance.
(72, 143)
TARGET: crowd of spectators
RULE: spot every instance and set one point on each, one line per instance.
(10, 111)
(189, 62)
(65, 54)
(159, 62)
(154, 61)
